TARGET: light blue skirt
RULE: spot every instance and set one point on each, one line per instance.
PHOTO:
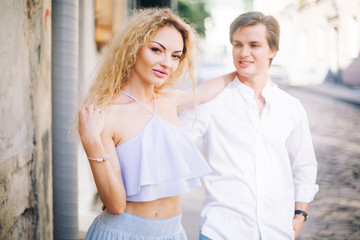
(132, 227)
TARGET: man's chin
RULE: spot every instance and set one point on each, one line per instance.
(242, 74)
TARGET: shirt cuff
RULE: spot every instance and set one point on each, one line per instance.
(305, 193)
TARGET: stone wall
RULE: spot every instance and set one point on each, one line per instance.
(25, 120)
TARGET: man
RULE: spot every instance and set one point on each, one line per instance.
(256, 138)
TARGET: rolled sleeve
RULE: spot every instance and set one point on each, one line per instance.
(305, 193)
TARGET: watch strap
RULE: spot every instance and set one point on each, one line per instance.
(305, 214)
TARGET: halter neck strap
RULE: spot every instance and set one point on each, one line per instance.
(141, 104)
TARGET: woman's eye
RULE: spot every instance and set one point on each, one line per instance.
(176, 56)
(155, 50)
(255, 45)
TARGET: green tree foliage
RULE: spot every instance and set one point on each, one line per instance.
(194, 11)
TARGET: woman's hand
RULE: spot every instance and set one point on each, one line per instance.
(91, 123)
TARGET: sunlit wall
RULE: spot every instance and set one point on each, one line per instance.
(319, 39)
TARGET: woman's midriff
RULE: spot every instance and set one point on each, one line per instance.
(159, 208)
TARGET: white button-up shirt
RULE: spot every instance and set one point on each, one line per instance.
(261, 165)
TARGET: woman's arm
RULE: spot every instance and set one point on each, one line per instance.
(97, 142)
(204, 91)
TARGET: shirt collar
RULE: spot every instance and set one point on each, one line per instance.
(245, 90)
(267, 91)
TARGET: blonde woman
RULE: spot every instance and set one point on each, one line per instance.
(140, 158)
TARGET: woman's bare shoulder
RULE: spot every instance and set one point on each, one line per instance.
(119, 115)
(117, 111)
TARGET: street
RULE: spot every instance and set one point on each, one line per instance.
(335, 212)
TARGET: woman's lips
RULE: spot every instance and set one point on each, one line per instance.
(160, 73)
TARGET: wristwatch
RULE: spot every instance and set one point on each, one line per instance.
(302, 213)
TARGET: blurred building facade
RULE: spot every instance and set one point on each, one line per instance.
(320, 39)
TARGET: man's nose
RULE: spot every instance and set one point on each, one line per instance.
(244, 51)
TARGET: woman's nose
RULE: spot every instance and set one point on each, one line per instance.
(166, 61)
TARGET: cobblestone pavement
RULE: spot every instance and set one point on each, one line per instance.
(335, 213)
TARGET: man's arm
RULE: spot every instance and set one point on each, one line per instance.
(299, 219)
(304, 166)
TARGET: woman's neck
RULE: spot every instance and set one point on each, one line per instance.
(140, 91)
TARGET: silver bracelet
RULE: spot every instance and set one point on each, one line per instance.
(100, 159)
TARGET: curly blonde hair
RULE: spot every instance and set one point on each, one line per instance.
(118, 61)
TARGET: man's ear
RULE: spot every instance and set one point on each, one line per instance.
(272, 53)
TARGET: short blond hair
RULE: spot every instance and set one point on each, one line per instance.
(119, 58)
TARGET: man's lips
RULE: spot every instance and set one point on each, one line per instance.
(245, 63)
(160, 73)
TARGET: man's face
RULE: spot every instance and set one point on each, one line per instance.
(251, 52)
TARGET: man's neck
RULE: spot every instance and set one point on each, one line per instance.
(257, 84)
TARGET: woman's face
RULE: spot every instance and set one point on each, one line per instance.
(251, 51)
(159, 58)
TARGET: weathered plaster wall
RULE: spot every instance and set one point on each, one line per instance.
(25, 120)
